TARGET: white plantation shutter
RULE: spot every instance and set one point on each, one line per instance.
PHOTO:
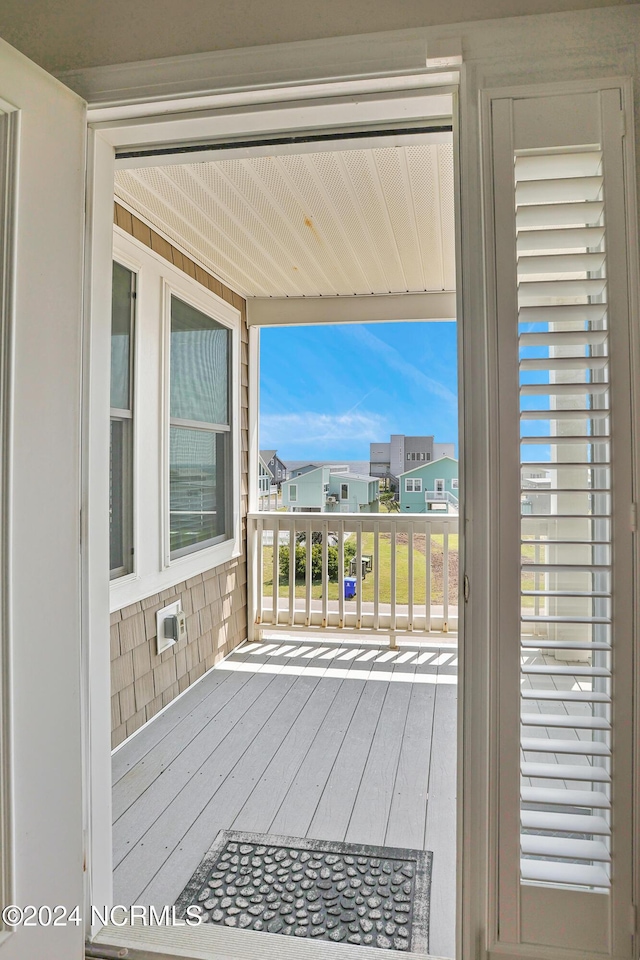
(566, 571)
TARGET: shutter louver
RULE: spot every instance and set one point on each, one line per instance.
(566, 530)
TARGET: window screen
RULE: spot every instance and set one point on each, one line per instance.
(200, 431)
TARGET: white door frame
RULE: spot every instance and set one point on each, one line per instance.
(105, 138)
(137, 104)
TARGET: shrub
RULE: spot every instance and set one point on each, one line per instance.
(316, 561)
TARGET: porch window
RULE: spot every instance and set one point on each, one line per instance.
(200, 492)
(121, 451)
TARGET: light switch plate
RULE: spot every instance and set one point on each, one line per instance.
(171, 610)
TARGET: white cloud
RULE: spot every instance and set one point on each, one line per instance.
(311, 427)
(397, 361)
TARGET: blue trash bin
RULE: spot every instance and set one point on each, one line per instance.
(350, 584)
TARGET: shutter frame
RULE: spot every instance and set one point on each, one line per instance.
(520, 903)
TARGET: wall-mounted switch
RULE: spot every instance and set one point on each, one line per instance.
(171, 623)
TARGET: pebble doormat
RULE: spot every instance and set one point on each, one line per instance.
(342, 892)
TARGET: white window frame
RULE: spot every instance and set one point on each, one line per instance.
(130, 263)
(155, 570)
(454, 483)
(293, 493)
(343, 487)
(416, 485)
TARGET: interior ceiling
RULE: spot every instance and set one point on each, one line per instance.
(355, 221)
(70, 34)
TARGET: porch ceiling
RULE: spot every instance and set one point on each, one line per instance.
(354, 221)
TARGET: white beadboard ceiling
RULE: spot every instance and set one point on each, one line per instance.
(355, 221)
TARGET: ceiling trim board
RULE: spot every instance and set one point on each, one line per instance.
(370, 308)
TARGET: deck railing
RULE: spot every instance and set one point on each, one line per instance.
(406, 572)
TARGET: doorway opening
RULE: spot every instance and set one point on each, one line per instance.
(342, 700)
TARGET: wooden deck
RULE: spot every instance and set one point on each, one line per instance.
(323, 739)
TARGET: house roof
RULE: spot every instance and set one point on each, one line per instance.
(268, 455)
(307, 474)
(355, 476)
(427, 463)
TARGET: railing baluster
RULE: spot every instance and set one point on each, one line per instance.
(376, 576)
(275, 576)
(359, 577)
(427, 586)
(410, 578)
(536, 586)
(341, 533)
(292, 574)
(325, 572)
(307, 573)
(393, 575)
(445, 579)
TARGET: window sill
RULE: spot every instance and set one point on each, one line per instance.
(132, 588)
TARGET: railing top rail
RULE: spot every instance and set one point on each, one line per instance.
(353, 521)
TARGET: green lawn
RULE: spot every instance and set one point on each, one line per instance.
(402, 572)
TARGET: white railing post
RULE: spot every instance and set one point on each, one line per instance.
(445, 579)
(275, 576)
(359, 577)
(341, 533)
(325, 572)
(410, 578)
(292, 574)
(376, 576)
(307, 573)
(392, 634)
(427, 585)
(254, 593)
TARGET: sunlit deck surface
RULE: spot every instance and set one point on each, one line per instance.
(329, 739)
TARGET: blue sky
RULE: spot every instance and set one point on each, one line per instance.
(328, 391)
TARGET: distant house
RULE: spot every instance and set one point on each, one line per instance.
(431, 487)
(274, 465)
(401, 453)
(300, 471)
(330, 490)
(264, 478)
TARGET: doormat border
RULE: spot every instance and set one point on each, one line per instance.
(423, 860)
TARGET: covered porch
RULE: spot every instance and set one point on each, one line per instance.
(329, 738)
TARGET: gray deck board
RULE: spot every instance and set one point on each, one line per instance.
(327, 739)
(266, 797)
(407, 816)
(126, 758)
(441, 822)
(150, 853)
(140, 817)
(296, 811)
(228, 799)
(192, 729)
(370, 814)
(333, 813)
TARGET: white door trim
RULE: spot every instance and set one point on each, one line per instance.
(547, 48)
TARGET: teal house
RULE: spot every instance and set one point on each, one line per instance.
(331, 489)
(430, 488)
